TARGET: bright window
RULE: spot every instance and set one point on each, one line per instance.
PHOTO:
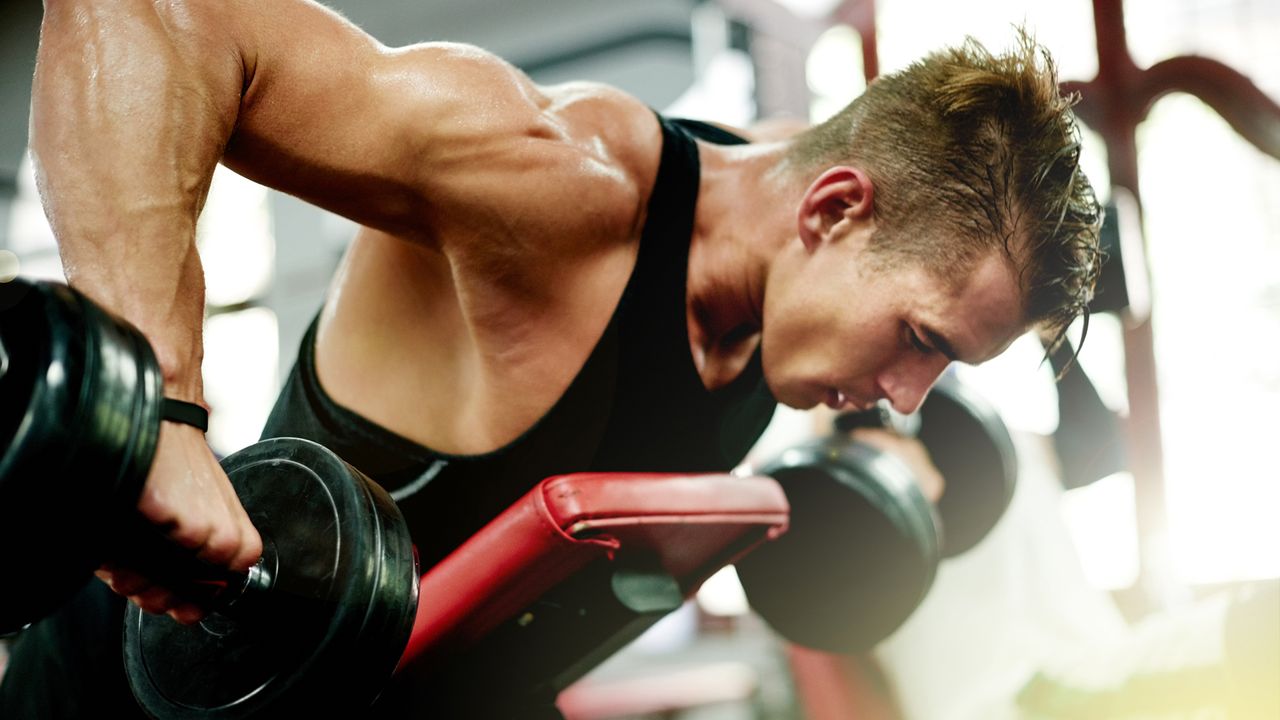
(1213, 229)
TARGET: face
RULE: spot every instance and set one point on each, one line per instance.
(843, 331)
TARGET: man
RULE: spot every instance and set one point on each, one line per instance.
(547, 279)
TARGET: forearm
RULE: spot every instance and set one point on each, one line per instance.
(131, 109)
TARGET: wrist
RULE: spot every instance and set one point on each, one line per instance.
(185, 413)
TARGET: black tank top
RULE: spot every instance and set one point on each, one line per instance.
(637, 405)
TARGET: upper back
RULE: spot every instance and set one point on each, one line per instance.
(532, 205)
(441, 144)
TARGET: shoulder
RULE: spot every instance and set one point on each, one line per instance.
(558, 163)
(597, 129)
(474, 95)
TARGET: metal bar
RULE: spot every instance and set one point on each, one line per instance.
(1117, 114)
(1115, 103)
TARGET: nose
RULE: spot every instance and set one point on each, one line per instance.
(906, 384)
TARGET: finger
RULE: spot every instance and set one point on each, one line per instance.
(123, 581)
(223, 543)
(250, 543)
(187, 613)
(155, 600)
(247, 545)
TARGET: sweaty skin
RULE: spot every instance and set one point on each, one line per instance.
(499, 224)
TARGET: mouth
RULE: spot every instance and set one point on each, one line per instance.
(838, 400)
(834, 399)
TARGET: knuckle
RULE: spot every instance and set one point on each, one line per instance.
(193, 533)
(126, 583)
(187, 614)
(250, 550)
(154, 600)
(221, 545)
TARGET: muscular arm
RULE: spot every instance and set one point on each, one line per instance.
(123, 167)
(135, 102)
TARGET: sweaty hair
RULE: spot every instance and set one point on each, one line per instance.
(971, 152)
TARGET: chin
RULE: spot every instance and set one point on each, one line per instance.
(795, 398)
(808, 405)
(798, 395)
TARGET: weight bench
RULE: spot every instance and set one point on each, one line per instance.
(577, 568)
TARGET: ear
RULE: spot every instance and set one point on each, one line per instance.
(839, 193)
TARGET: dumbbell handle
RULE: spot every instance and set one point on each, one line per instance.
(239, 595)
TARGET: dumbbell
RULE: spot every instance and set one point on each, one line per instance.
(318, 624)
(864, 543)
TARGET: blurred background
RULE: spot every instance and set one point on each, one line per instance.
(1184, 155)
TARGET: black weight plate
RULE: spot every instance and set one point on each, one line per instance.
(859, 555)
(971, 447)
(79, 420)
(334, 624)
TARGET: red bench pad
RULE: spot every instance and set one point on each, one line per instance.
(692, 524)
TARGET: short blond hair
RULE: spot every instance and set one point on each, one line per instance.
(983, 147)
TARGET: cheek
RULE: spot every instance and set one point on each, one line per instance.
(797, 355)
(787, 351)
(873, 344)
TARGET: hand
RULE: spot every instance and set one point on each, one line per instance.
(912, 452)
(190, 498)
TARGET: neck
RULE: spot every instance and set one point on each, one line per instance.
(745, 215)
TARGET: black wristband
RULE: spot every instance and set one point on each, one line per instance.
(186, 413)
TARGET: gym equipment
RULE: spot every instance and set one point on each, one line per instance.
(319, 622)
(79, 420)
(864, 543)
(1089, 439)
(570, 573)
(546, 590)
(861, 552)
(1122, 285)
(971, 446)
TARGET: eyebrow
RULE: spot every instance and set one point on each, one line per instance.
(940, 343)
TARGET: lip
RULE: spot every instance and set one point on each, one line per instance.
(835, 399)
(860, 405)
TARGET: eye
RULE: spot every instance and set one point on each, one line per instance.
(917, 342)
